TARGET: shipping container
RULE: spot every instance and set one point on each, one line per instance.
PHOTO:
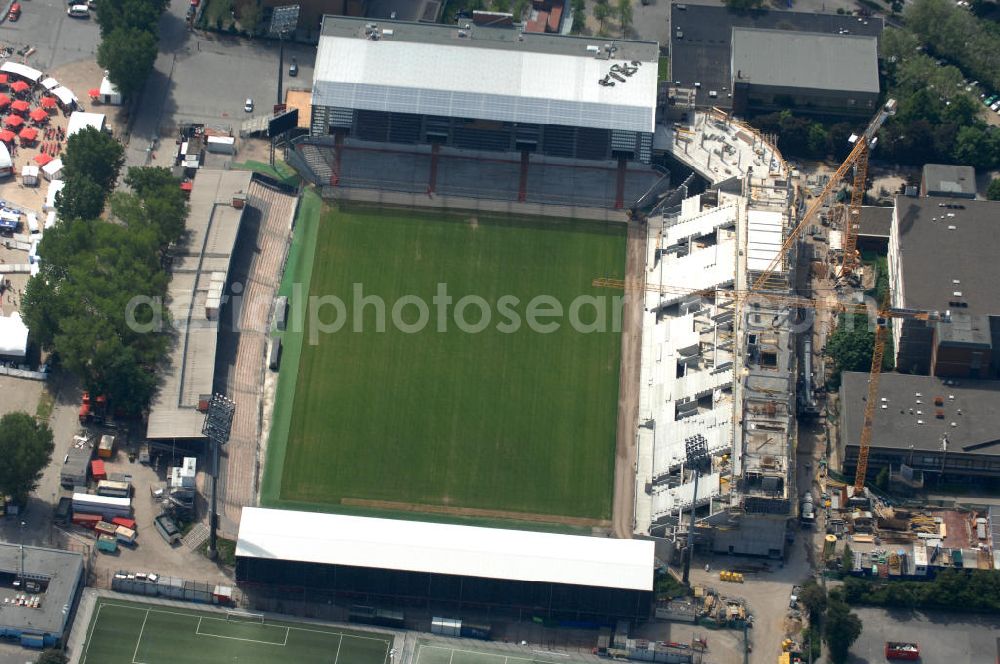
(63, 511)
(32, 641)
(97, 470)
(446, 626)
(125, 535)
(167, 528)
(86, 520)
(105, 528)
(280, 312)
(274, 359)
(221, 144)
(107, 544)
(121, 521)
(114, 489)
(75, 466)
(106, 449)
(104, 505)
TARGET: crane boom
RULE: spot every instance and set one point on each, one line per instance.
(862, 145)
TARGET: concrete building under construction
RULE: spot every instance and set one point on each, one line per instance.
(719, 371)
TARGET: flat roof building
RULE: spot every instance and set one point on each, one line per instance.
(40, 617)
(930, 424)
(948, 181)
(442, 565)
(943, 258)
(198, 277)
(485, 88)
(808, 72)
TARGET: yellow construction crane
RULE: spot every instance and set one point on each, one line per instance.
(858, 160)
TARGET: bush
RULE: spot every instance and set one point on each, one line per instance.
(978, 591)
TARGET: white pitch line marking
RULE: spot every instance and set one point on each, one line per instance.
(139, 640)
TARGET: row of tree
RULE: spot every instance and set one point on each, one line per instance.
(128, 41)
(955, 33)
(956, 590)
(90, 302)
(830, 616)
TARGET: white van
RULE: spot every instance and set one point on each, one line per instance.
(78, 11)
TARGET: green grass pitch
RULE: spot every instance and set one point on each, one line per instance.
(438, 653)
(136, 633)
(521, 422)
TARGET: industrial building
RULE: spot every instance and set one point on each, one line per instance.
(806, 72)
(719, 373)
(485, 88)
(39, 588)
(943, 259)
(948, 181)
(874, 230)
(398, 564)
(935, 427)
(702, 52)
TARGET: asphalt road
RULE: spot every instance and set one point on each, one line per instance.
(205, 78)
(943, 637)
(56, 38)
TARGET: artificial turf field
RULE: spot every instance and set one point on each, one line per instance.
(521, 422)
(137, 633)
(438, 653)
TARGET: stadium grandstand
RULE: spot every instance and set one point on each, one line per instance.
(442, 567)
(555, 117)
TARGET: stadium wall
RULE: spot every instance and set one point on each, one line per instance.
(439, 592)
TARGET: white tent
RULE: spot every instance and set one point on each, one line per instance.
(24, 71)
(50, 219)
(29, 175)
(13, 336)
(79, 120)
(50, 197)
(65, 96)
(109, 93)
(53, 169)
(6, 164)
(49, 83)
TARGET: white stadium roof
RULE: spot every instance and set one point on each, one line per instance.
(438, 548)
(484, 78)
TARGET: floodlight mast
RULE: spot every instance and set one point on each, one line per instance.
(283, 21)
(217, 427)
(696, 452)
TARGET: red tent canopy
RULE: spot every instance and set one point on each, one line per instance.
(39, 115)
(28, 134)
(41, 159)
(94, 92)
(19, 86)
(4, 79)
(20, 106)
(48, 102)
(14, 121)
(4, 101)
(6, 136)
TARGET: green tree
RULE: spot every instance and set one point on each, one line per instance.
(26, 447)
(157, 201)
(141, 14)
(847, 559)
(882, 479)
(579, 16)
(602, 12)
(624, 8)
(818, 139)
(851, 346)
(80, 198)
(841, 628)
(95, 155)
(743, 5)
(52, 656)
(993, 191)
(128, 55)
(813, 597)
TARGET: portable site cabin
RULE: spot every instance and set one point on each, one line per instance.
(53, 170)
(29, 175)
(109, 93)
(33, 225)
(221, 144)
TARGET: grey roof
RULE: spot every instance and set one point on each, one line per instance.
(483, 73)
(807, 60)
(939, 246)
(979, 421)
(703, 54)
(947, 179)
(875, 221)
(212, 226)
(61, 570)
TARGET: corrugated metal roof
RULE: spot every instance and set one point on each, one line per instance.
(501, 84)
(438, 548)
(807, 60)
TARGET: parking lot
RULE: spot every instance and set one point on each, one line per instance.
(57, 39)
(943, 637)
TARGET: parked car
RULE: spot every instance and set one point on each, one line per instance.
(78, 11)
(248, 105)
(989, 100)
(293, 69)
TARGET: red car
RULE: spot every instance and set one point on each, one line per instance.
(15, 12)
